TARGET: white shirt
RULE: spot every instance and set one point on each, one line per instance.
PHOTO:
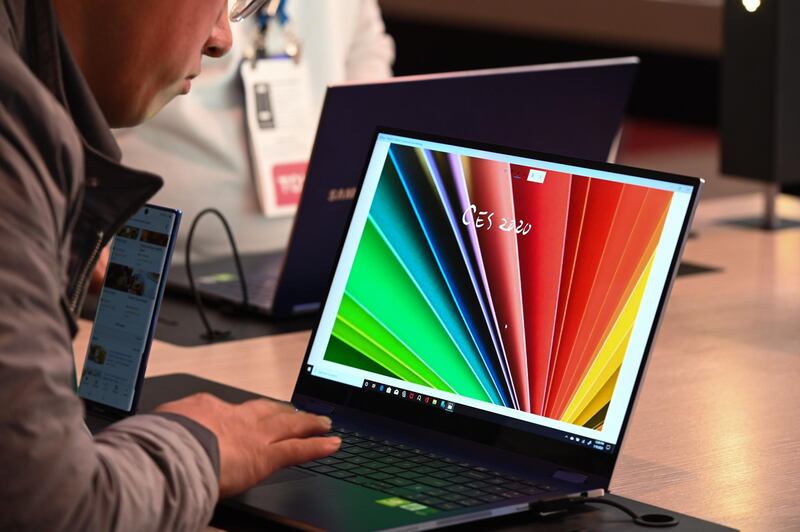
(198, 142)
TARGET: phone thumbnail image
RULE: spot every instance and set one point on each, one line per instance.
(97, 354)
(136, 282)
(130, 232)
(155, 238)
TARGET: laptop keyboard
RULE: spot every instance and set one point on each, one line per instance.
(419, 476)
(260, 288)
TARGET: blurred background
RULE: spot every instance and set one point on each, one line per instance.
(674, 112)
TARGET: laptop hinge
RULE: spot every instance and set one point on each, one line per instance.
(314, 406)
(570, 476)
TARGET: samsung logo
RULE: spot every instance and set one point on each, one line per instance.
(341, 194)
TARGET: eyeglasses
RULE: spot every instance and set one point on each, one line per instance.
(242, 9)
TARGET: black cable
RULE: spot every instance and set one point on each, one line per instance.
(647, 520)
(212, 335)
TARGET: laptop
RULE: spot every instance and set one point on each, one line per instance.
(484, 335)
(573, 109)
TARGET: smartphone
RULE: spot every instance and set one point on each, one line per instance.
(127, 312)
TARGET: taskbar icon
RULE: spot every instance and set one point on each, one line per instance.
(409, 395)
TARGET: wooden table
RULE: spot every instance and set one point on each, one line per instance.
(715, 433)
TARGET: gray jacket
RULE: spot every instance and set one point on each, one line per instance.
(63, 194)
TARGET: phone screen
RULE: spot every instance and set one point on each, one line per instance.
(127, 307)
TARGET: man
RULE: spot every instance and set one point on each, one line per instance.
(68, 69)
(200, 141)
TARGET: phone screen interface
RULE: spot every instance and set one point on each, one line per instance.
(125, 308)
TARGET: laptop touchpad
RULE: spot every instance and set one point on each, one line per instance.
(285, 475)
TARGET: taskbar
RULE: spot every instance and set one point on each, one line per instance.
(448, 406)
(409, 395)
(431, 401)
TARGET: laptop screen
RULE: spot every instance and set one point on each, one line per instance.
(482, 282)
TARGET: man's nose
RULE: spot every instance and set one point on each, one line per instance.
(220, 40)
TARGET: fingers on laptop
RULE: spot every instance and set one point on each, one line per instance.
(285, 421)
(298, 450)
(296, 425)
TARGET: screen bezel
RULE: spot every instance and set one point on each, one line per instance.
(95, 407)
(597, 464)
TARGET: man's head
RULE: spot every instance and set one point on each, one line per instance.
(137, 55)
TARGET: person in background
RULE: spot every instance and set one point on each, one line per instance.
(200, 141)
(69, 69)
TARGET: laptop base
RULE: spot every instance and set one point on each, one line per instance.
(278, 498)
(596, 518)
(218, 282)
(240, 517)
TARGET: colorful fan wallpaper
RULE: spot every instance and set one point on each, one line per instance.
(503, 283)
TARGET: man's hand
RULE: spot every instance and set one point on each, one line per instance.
(256, 438)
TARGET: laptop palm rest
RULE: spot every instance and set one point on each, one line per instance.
(286, 475)
(319, 502)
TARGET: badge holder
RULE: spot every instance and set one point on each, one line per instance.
(279, 119)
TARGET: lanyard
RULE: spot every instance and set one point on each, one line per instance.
(276, 10)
